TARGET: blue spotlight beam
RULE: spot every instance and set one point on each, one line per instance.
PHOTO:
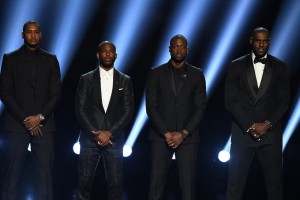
(72, 19)
(194, 14)
(128, 30)
(237, 19)
(292, 124)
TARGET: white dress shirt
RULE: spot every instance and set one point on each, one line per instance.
(259, 69)
(106, 79)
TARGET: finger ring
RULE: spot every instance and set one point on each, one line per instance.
(254, 135)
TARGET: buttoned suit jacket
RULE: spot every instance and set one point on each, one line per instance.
(90, 112)
(171, 110)
(22, 97)
(249, 104)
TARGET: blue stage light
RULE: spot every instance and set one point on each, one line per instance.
(72, 18)
(237, 19)
(194, 14)
(129, 29)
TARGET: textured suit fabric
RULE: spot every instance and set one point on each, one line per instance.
(92, 117)
(170, 109)
(248, 104)
(23, 97)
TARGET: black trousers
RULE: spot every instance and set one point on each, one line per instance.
(270, 157)
(186, 160)
(42, 151)
(113, 165)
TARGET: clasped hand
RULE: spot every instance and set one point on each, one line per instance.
(33, 124)
(173, 139)
(102, 137)
(258, 130)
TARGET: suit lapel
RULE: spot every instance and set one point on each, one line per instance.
(251, 78)
(97, 89)
(115, 89)
(266, 79)
(171, 79)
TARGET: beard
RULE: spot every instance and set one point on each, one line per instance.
(107, 65)
(178, 60)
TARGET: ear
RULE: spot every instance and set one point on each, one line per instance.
(97, 55)
(169, 48)
(22, 34)
(251, 41)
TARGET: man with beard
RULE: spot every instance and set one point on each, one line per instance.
(175, 103)
(257, 96)
(30, 90)
(103, 107)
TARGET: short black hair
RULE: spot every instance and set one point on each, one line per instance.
(30, 22)
(107, 42)
(260, 29)
(178, 36)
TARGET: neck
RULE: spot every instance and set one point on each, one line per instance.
(177, 65)
(31, 48)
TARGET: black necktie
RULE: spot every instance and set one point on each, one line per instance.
(262, 60)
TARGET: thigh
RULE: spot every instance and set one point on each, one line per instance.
(42, 150)
(88, 162)
(113, 163)
(161, 157)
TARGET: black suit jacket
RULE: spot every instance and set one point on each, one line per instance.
(248, 104)
(171, 110)
(90, 112)
(21, 96)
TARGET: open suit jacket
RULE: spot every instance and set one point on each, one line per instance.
(23, 97)
(90, 112)
(248, 104)
(171, 110)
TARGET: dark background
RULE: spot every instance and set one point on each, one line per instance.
(215, 127)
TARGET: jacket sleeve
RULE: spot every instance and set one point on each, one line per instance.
(7, 90)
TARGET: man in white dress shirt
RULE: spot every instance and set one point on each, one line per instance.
(103, 107)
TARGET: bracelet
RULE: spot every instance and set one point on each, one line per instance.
(269, 123)
(183, 135)
(42, 118)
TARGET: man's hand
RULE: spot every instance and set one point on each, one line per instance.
(31, 122)
(36, 131)
(257, 130)
(102, 137)
(173, 139)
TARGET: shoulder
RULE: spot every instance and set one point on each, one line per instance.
(241, 59)
(159, 68)
(275, 60)
(193, 68)
(122, 75)
(47, 54)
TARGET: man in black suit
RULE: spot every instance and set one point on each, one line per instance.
(104, 107)
(257, 97)
(175, 102)
(30, 90)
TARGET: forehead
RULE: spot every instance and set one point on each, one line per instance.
(32, 26)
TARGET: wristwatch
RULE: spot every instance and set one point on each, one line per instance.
(183, 135)
(42, 118)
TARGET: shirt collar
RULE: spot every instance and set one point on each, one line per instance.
(109, 72)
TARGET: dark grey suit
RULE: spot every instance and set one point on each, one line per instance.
(249, 104)
(170, 109)
(23, 96)
(92, 117)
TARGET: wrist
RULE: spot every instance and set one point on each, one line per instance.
(183, 134)
(269, 124)
(41, 116)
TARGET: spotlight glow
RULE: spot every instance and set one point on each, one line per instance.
(224, 156)
(76, 148)
(127, 151)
